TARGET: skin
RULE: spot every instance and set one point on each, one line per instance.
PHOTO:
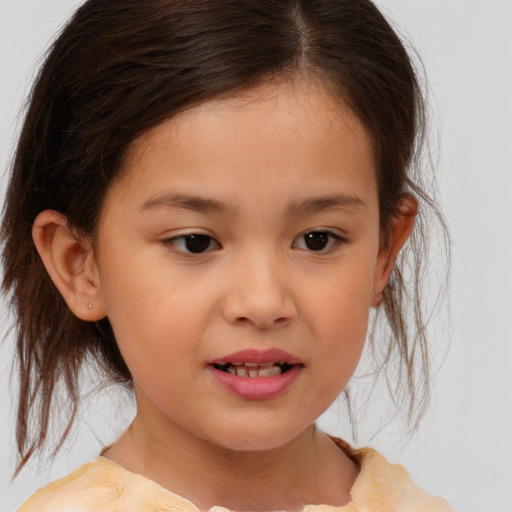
(265, 157)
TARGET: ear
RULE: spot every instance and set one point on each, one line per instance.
(70, 263)
(395, 238)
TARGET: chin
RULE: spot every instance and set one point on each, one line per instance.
(258, 438)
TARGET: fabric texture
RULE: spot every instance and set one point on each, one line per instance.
(104, 486)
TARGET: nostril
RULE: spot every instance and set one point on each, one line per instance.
(261, 310)
(264, 323)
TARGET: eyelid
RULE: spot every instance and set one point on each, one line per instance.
(173, 241)
(337, 240)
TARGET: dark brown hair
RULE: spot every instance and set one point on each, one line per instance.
(121, 67)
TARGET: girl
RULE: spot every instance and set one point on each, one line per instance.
(208, 198)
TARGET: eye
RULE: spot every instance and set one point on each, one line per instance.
(318, 241)
(194, 243)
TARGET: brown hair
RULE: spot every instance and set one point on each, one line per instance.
(120, 68)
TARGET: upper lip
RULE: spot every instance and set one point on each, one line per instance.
(260, 356)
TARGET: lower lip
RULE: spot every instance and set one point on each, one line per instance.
(256, 388)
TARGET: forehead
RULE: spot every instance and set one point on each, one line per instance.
(269, 140)
(287, 105)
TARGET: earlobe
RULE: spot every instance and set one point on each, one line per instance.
(401, 228)
(70, 263)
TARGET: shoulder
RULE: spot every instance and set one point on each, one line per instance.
(90, 487)
(103, 486)
(382, 486)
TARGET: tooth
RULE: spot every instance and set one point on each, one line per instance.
(232, 371)
(238, 363)
(241, 372)
(272, 371)
(266, 364)
(251, 364)
(254, 373)
(281, 362)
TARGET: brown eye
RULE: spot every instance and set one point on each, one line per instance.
(318, 241)
(193, 243)
(197, 243)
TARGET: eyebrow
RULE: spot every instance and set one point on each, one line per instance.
(319, 204)
(188, 202)
(296, 208)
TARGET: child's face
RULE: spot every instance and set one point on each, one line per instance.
(278, 188)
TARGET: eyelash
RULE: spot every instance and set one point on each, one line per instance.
(333, 239)
(180, 242)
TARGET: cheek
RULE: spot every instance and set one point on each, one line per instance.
(343, 328)
(159, 315)
(343, 325)
(339, 313)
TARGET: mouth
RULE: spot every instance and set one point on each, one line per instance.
(253, 370)
(257, 374)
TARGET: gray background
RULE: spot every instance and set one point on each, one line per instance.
(463, 449)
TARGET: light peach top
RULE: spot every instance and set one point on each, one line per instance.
(103, 486)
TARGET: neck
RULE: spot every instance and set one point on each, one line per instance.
(309, 469)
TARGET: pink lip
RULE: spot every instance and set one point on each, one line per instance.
(253, 355)
(257, 388)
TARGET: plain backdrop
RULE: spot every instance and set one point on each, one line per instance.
(463, 449)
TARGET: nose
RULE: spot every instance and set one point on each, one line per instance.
(259, 293)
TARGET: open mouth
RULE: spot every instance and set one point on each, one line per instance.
(255, 370)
